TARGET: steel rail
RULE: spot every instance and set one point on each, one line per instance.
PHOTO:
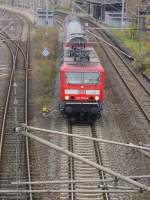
(113, 44)
(6, 27)
(14, 57)
(106, 195)
(109, 44)
(80, 158)
(133, 73)
(26, 107)
(122, 78)
(71, 161)
(98, 159)
(119, 52)
(146, 77)
(15, 52)
(128, 88)
(13, 42)
(128, 67)
(112, 47)
(71, 164)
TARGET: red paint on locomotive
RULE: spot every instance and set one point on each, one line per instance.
(86, 83)
(81, 84)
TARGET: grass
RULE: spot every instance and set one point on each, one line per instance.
(42, 38)
(42, 100)
(140, 49)
(130, 43)
(44, 69)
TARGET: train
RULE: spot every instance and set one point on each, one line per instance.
(81, 75)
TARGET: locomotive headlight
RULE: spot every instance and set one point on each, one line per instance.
(96, 98)
(66, 97)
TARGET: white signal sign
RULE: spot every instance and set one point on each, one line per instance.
(45, 52)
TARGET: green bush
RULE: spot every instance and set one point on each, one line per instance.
(139, 65)
(44, 71)
(129, 38)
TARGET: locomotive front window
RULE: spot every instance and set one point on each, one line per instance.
(82, 78)
(91, 78)
(73, 78)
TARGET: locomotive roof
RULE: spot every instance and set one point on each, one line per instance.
(92, 54)
(82, 68)
(92, 64)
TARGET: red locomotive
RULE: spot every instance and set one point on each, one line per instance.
(81, 76)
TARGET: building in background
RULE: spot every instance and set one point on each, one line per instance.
(112, 12)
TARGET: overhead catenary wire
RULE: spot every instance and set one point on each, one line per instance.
(80, 158)
(131, 145)
(114, 47)
(68, 191)
(78, 180)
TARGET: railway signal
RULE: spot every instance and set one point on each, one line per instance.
(45, 52)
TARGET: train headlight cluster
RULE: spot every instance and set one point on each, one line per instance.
(71, 91)
(96, 98)
(92, 92)
(66, 97)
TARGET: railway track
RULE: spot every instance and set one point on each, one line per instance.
(27, 115)
(80, 174)
(70, 169)
(136, 88)
(87, 182)
(88, 150)
(121, 52)
(13, 146)
(81, 171)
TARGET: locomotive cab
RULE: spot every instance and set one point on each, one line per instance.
(81, 91)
